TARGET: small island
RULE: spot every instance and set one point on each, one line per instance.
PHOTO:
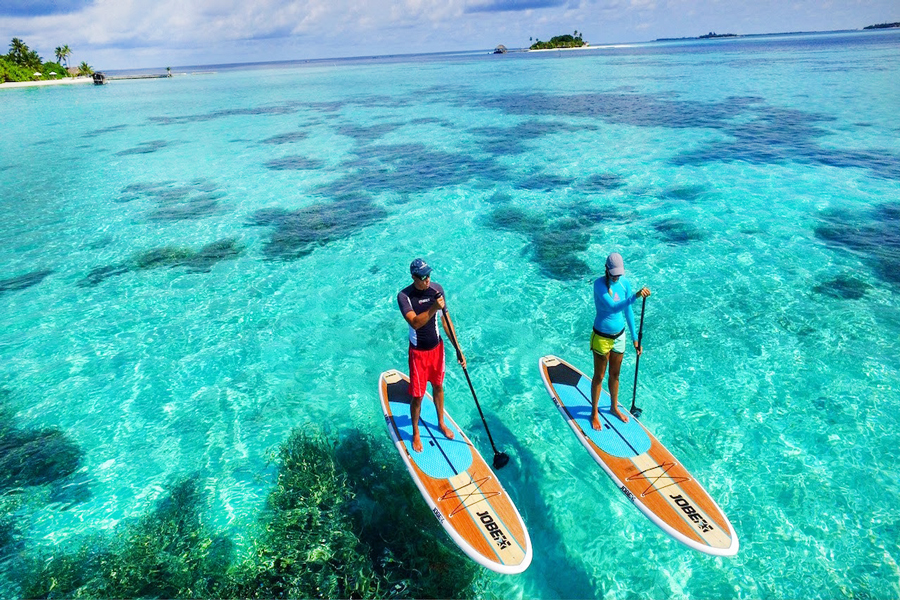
(559, 41)
(883, 26)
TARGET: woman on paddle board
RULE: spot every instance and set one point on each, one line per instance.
(613, 300)
(419, 304)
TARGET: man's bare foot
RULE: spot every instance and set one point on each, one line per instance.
(448, 433)
(595, 423)
(417, 443)
(622, 416)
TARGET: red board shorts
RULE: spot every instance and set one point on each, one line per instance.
(425, 366)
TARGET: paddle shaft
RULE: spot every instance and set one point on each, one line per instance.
(451, 333)
(637, 360)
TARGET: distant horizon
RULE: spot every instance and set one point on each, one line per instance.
(477, 51)
(143, 34)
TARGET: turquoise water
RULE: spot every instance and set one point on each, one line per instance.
(753, 185)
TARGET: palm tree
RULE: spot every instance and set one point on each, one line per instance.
(85, 69)
(17, 49)
(58, 54)
(66, 53)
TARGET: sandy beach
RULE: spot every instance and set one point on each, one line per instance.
(66, 81)
(580, 48)
(567, 49)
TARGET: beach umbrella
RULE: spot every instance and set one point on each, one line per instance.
(53, 72)
(38, 75)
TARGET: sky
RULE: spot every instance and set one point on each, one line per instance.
(130, 34)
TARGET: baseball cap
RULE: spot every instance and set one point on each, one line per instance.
(615, 265)
(419, 268)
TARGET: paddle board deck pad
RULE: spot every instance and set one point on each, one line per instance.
(642, 468)
(460, 488)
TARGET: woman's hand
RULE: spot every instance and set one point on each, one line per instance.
(643, 292)
(638, 348)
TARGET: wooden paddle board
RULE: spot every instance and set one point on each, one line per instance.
(642, 468)
(460, 488)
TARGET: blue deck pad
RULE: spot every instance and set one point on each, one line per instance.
(616, 438)
(440, 458)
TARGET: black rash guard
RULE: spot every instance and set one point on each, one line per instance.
(427, 336)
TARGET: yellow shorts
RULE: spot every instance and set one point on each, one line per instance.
(603, 345)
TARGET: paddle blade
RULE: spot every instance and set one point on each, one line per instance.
(500, 460)
(636, 412)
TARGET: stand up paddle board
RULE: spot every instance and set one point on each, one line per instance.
(459, 487)
(642, 468)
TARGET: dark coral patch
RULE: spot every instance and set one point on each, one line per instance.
(103, 130)
(412, 168)
(556, 249)
(286, 138)
(337, 524)
(195, 206)
(33, 456)
(23, 281)
(602, 182)
(678, 231)
(194, 261)
(145, 148)
(100, 274)
(194, 200)
(596, 215)
(843, 287)
(875, 234)
(517, 220)
(432, 121)
(499, 198)
(136, 188)
(545, 182)
(298, 233)
(294, 163)
(36, 457)
(221, 114)
(368, 134)
(509, 141)
(758, 133)
(686, 193)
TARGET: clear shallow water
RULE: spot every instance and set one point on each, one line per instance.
(753, 184)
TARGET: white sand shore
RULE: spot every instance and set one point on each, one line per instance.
(605, 46)
(565, 49)
(67, 80)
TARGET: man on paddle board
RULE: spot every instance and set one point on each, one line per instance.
(612, 300)
(419, 304)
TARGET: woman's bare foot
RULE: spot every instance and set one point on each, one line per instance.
(417, 443)
(622, 416)
(595, 423)
(448, 433)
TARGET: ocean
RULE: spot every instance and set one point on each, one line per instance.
(195, 267)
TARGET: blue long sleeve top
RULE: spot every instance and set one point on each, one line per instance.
(614, 309)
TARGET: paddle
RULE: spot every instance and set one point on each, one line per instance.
(500, 458)
(635, 410)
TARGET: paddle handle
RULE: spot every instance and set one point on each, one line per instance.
(637, 361)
